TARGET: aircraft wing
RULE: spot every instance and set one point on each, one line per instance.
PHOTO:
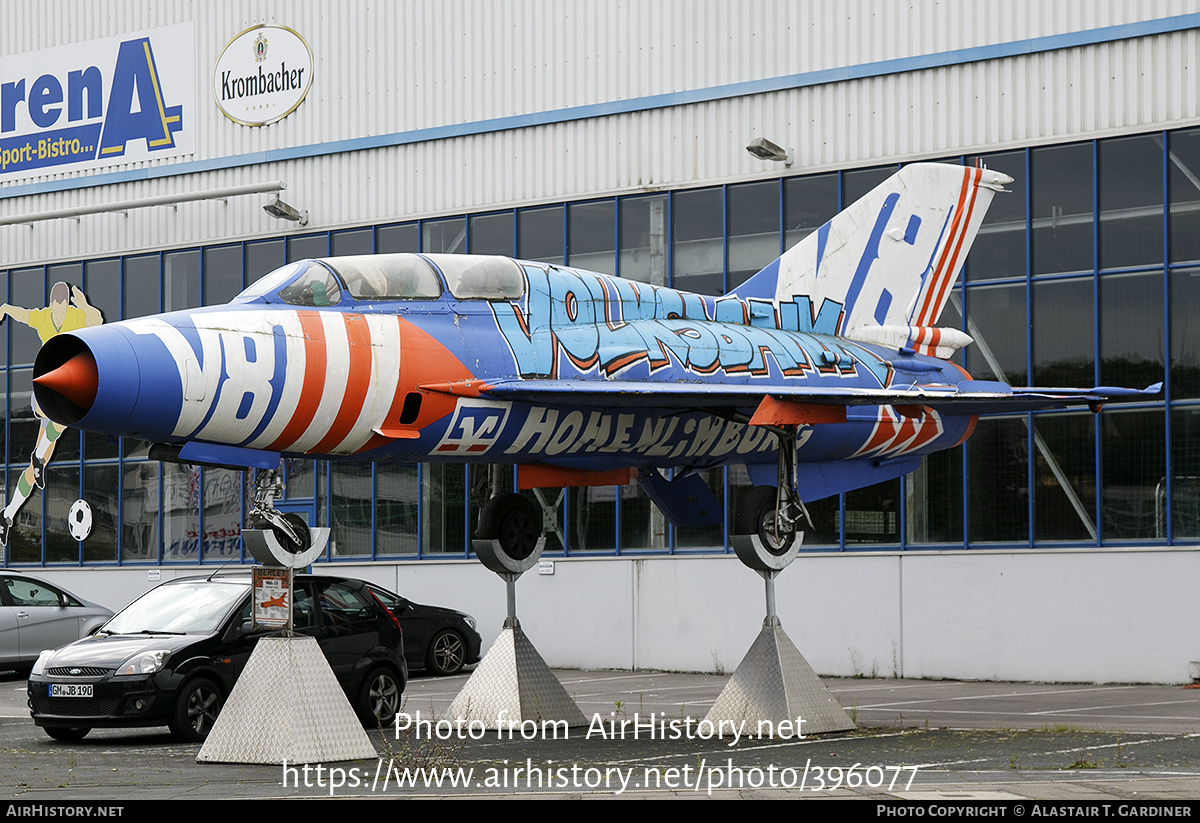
(973, 397)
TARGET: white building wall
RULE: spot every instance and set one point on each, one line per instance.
(1058, 615)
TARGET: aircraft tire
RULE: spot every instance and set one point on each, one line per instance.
(511, 526)
(301, 528)
(755, 519)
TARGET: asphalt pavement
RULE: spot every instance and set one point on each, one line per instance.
(916, 740)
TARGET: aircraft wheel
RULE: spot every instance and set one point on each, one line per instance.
(756, 515)
(775, 547)
(508, 533)
(300, 527)
(512, 520)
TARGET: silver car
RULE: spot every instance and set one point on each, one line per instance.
(36, 615)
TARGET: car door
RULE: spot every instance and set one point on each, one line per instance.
(347, 625)
(41, 619)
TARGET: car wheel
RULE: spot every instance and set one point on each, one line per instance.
(379, 698)
(66, 735)
(196, 709)
(447, 653)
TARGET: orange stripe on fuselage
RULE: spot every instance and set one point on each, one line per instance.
(314, 381)
(358, 381)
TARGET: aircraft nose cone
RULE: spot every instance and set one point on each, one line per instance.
(76, 379)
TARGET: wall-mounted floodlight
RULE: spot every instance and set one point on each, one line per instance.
(280, 209)
(764, 149)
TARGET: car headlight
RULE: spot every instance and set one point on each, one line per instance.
(43, 659)
(470, 621)
(145, 662)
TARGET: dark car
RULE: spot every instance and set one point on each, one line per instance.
(172, 656)
(436, 639)
(35, 615)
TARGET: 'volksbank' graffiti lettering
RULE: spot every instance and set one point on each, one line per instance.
(94, 101)
(610, 324)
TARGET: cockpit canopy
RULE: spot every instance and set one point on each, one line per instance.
(377, 277)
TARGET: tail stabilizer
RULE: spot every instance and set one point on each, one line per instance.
(892, 257)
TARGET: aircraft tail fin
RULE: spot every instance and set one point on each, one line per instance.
(891, 258)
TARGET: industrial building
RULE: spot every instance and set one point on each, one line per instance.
(167, 157)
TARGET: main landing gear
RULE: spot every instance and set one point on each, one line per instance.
(766, 527)
(774, 682)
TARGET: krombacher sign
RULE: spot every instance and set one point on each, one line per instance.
(262, 75)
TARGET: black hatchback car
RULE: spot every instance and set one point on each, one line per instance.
(172, 656)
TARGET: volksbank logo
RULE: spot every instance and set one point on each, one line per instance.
(103, 100)
(262, 75)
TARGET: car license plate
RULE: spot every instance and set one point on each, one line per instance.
(70, 689)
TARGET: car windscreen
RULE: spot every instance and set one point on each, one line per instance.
(179, 608)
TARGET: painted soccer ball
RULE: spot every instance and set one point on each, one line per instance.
(79, 520)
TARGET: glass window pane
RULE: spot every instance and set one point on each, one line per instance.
(1183, 189)
(25, 539)
(62, 490)
(872, 514)
(222, 510)
(999, 249)
(1064, 446)
(643, 526)
(181, 280)
(1131, 201)
(1131, 330)
(856, 184)
(443, 499)
(492, 234)
(264, 256)
(314, 245)
(181, 513)
(808, 202)
(222, 274)
(1185, 477)
(705, 537)
(139, 511)
(592, 517)
(996, 320)
(753, 229)
(540, 234)
(1185, 336)
(357, 241)
(643, 239)
(591, 236)
(934, 504)
(142, 283)
(1133, 455)
(444, 236)
(350, 485)
(1061, 191)
(102, 285)
(998, 481)
(101, 492)
(27, 290)
(396, 505)
(697, 241)
(402, 238)
(1063, 348)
